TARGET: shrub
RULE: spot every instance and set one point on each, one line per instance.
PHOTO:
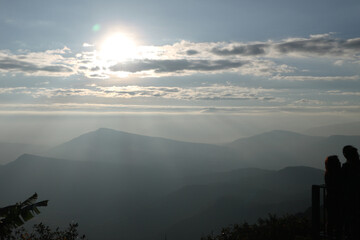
(288, 227)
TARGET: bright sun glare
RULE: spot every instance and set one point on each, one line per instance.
(118, 47)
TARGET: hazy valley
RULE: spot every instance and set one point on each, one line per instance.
(128, 186)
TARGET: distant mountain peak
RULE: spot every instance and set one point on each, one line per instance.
(101, 129)
(283, 133)
(298, 169)
(25, 155)
(107, 145)
(113, 131)
(277, 135)
(29, 157)
(26, 158)
(105, 130)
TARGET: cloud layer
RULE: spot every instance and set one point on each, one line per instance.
(186, 58)
(212, 92)
(261, 74)
(48, 63)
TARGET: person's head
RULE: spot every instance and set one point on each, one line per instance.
(332, 163)
(350, 153)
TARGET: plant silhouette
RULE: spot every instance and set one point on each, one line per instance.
(288, 227)
(16, 215)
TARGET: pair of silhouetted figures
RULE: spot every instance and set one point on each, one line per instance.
(343, 195)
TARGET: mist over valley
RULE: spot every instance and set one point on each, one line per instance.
(163, 186)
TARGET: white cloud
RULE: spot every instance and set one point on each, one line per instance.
(316, 78)
(187, 58)
(337, 92)
(305, 101)
(115, 109)
(209, 93)
(48, 63)
(88, 45)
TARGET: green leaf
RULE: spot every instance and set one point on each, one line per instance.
(16, 215)
(27, 215)
(30, 200)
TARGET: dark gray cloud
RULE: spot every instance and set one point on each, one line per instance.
(23, 66)
(316, 46)
(11, 64)
(191, 52)
(177, 65)
(246, 50)
(320, 45)
(353, 44)
(226, 98)
(206, 93)
(55, 68)
(96, 75)
(96, 68)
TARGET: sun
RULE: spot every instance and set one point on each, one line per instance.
(118, 47)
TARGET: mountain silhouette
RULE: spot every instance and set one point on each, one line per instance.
(162, 186)
(271, 150)
(352, 128)
(278, 149)
(127, 148)
(11, 151)
(126, 198)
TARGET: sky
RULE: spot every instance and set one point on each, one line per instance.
(202, 71)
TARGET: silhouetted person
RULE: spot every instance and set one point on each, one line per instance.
(333, 202)
(351, 185)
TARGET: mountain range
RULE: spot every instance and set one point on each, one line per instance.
(10, 151)
(112, 201)
(278, 149)
(352, 128)
(118, 185)
(271, 150)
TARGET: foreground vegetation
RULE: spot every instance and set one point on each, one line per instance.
(12, 217)
(16, 215)
(43, 232)
(288, 227)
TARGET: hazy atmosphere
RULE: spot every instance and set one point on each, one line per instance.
(215, 86)
(185, 70)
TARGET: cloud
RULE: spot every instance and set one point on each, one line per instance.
(88, 45)
(305, 101)
(352, 44)
(204, 93)
(323, 109)
(191, 52)
(9, 64)
(177, 65)
(268, 58)
(203, 99)
(115, 109)
(339, 62)
(48, 63)
(265, 68)
(337, 92)
(245, 50)
(319, 45)
(317, 78)
(12, 90)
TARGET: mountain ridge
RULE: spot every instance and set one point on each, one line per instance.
(128, 198)
(126, 148)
